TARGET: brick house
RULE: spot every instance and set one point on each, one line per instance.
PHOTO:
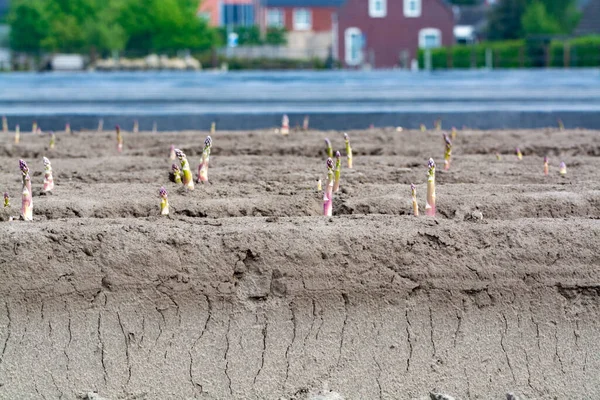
(388, 33)
(309, 23)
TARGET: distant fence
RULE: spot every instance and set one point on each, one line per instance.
(579, 52)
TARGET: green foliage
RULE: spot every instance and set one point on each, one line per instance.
(250, 36)
(516, 19)
(106, 25)
(276, 36)
(504, 55)
(536, 21)
(581, 52)
(247, 35)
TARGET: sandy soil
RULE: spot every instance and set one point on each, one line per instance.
(246, 292)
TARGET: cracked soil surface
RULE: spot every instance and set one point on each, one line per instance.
(246, 292)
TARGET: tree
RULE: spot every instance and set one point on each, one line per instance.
(504, 21)
(28, 25)
(106, 25)
(536, 21)
(515, 19)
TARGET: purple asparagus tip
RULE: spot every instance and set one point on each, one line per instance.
(431, 163)
(517, 150)
(545, 159)
(337, 154)
(46, 161)
(346, 136)
(327, 142)
(162, 192)
(562, 165)
(5, 195)
(208, 142)
(447, 140)
(117, 128)
(179, 154)
(413, 187)
(329, 163)
(174, 167)
(23, 166)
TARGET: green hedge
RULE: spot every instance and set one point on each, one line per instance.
(505, 55)
(583, 52)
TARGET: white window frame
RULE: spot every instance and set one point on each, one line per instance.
(348, 34)
(301, 25)
(410, 11)
(423, 33)
(271, 21)
(375, 11)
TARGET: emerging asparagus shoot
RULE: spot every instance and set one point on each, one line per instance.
(176, 173)
(6, 200)
(413, 190)
(328, 148)
(172, 155)
(423, 128)
(68, 128)
(546, 167)
(319, 185)
(562, 169)
(213, 128)
(136, 126)
(4, 125)
(48, 179)
(430, 203)
(285, 125)
(348, 150)
(519, 154)
(188, 179)
(328, 193)
(17, 134)
(305, 123)
(27, 200)
(164, 201)
(34, 127)
(338, 171)
(438, 124)
(561, 126)
(454, 133)
(119, 139)
(52, 140)
(498, 156)
(203, 166)
(447, 153)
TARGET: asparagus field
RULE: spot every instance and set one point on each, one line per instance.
(246, 290)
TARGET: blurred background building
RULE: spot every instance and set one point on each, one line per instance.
(314, 34)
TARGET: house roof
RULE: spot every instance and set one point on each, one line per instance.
(302, 3)
(589, 18)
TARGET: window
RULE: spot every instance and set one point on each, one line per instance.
(302, 19)
(237, 14)
(412, 8)
(430, 38)
(353, 41)
(377, 8)
(275, 18)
